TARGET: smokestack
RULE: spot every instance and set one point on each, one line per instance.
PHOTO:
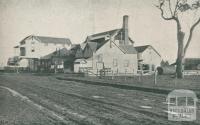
(125, 30)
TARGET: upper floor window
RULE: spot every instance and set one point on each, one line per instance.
(33, 49)
(22, 51)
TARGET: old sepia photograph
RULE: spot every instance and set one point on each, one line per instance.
(99, 62)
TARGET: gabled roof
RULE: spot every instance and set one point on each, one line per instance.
(192, 60)
(45, 39)
(80, 60)
(128, 49)
(96, 41)
(60, 53)
(93, 46)
(141, 49)
(103, 34)
(74, 46)
(82, 45)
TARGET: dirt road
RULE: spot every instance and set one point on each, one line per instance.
(78, 103)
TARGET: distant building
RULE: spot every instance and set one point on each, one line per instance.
(32, 48)
(148, 58)
(192, 64)
(112, 52)
(61, 60)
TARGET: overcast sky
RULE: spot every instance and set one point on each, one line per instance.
(75, 19)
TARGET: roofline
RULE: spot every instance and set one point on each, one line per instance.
(36, 37)
(104, 32)
(195, 58)
(155, 50)
(151, 47)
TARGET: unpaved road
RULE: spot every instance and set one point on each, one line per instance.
(67, 102)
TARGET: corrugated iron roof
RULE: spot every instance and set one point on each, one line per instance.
(141, 48)
(60, 53)
(128, 49)
(111, 32)
(93, 46)
(82, 45)
(45, 39)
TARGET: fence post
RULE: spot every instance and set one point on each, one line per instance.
(125, 74)
(155, 77)
(112, 75)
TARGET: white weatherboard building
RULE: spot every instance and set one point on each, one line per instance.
(148, 57)
(112, 52)
(32, 48)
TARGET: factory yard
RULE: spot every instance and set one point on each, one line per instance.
(27, 99)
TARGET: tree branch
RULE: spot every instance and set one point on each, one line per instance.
(170, 8)
(162, 13)
(190, 35)
(176, 7)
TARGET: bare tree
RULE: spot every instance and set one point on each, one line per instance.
(186, 14)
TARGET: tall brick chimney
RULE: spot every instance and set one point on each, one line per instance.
(125, 30)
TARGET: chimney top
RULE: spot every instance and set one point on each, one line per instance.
(125, 30)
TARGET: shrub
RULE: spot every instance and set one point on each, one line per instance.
(160, 70)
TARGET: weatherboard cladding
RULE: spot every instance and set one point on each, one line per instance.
(96, 41)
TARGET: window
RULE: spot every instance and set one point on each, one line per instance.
(32, 49)
(115, 62)
(22, 51)
(172, 101)
(100, 58)
(190, 101)
(153, 67)
(126, 63)
(181, 101)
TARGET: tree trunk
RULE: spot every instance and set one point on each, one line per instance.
(180, 55)
(179, 68)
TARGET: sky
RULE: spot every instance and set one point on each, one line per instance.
(76, 19)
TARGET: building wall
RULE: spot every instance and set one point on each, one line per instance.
(40, 49)
(36, 49)
(114, 58)
(16, 52)
(150, 57)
